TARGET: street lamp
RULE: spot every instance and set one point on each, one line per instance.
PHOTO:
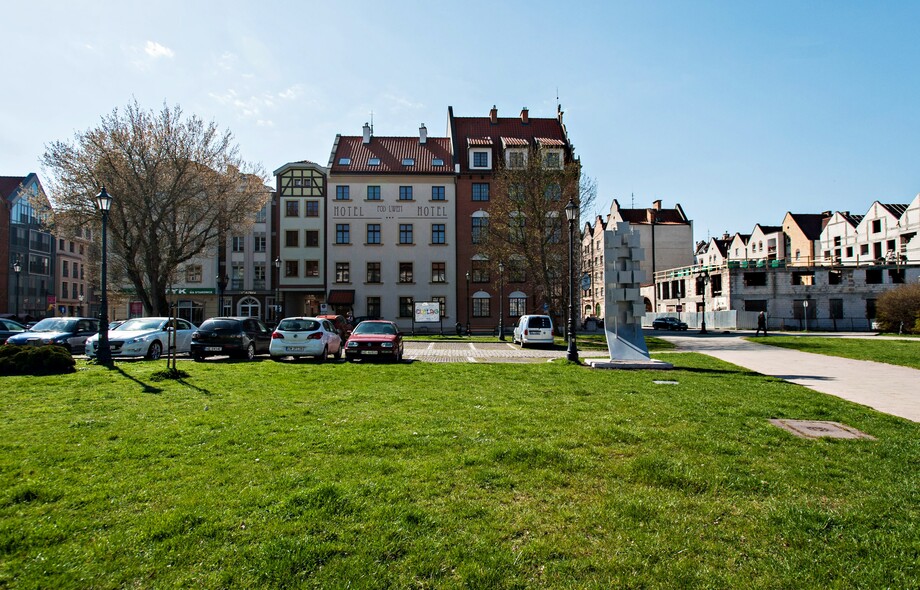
(501, 300)
(704, 280)
(17, 268)
(278, 305)
(222, 281)
(805, 312)
(467, 303)
(571, 213)
(81, 305)
(104, 350)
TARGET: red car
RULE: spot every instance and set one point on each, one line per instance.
(375, 339)
(341, 324)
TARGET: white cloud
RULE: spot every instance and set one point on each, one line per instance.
(155, 50)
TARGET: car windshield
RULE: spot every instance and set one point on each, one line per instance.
(374, 328)
(540, 321)
(298, 325)
(220, 325)
(55, 325)
(138, 324)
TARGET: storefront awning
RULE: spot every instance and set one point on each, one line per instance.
(341, 297)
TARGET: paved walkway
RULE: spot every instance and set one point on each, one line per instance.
(887, 388)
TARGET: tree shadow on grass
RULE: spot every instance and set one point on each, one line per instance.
(145, 387)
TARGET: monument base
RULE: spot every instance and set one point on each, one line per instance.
(629, 364)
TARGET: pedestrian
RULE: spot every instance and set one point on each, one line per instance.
(761, 324)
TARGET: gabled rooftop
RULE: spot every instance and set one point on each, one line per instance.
(391, 155)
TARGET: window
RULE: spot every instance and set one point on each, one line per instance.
(849, 251)
(438, 233)
(405, 193)
(480, 271)
(238, 244)
(292, 208)
(437, 162)
(437, 193)
(311, 268)
(552, 160)
(442, 305)
(405, 272)
(803, 278)
(237, 277)
(754, 279)
(373, 193)
(896, 276)
(373, 162)
(373, 307)
(64, 290)
(480, 159)
(291, 238)
(342, 233)
(517, 192)
(438, 272)
(342, 193)
(66, 268)
(755, 305)
(517, 305)
(516, 272)
(408, 162)
(344, 161)
(515, 159)
(405, 233)
(480, 191)
(406, 307)
(480, 228)
(262, 215)
(71, 247)
(836, 308)
(311, 238)
(553, 192)
(193, 273)
(61, 244)
(73, 290)
(373, 233)
(481, 307)
(311, 209)
(258, 275)
(553, 228)
(876, 226)
(870, 308)
(516, 227)
(864, 249)
(290, 268)
(258, 243)
(834, 277)
(373, 272)
(342, 272)
(873, 276)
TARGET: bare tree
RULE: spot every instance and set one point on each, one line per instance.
(527, 226)
(178, 183)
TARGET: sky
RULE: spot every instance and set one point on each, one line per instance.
(738, 111)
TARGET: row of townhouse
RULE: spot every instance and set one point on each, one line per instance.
(823, 270)
(42, 274)
(388, 222)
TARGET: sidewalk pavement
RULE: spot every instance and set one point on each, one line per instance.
(887, 388)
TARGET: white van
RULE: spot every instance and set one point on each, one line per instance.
(533, 329)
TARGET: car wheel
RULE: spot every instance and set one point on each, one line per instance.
(338, 353)
(321, 357)
(154, 351)
(250, 351)
(197, 357)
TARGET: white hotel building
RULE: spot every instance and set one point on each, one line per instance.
(391, 226)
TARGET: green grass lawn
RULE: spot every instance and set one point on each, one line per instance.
(252, 475)
(894, 352)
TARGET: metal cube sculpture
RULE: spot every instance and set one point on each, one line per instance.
(623, 304)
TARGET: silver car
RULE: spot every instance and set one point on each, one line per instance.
(145, 337)
(70, 333)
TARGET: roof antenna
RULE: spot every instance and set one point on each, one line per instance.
(632, 200)
(372, 122)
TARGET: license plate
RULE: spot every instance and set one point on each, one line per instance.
(213, 348)
(368, 352)
(293, 349)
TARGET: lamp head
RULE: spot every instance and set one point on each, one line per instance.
(103, 200)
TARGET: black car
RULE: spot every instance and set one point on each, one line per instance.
(236, 337)
(9, 328)
(669, 323)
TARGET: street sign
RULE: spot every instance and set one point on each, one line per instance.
(585, 282)
(680, 308)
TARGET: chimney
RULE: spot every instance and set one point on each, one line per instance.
(725, 236)
(367, 134)
(423, 134)
(493, 115)
(524, 118)
(656, 205)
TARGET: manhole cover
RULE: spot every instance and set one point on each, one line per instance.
(819, 429)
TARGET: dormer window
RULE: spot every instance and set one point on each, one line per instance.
(373, 162)
(437, 162)
(516, 158)
(408, 162)
(552, 159)
(344, 161)
(481, 159)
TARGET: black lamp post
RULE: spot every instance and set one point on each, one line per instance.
(468, 303)
(278, 305)
(17, 268)
(104, 351)
(571, 213)
(501, 300)
(704, 280)
(221, 287)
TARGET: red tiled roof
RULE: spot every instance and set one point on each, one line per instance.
(9, 184)
(514, 141)
(391, 151)
(479, 140)
(549, 142)
(505, 127)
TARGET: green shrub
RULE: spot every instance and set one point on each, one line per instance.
(35, 360)
(899, 309)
